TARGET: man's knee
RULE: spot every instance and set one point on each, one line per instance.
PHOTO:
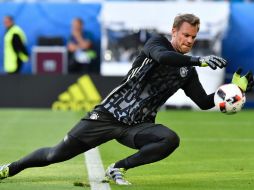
(157, 134)
(171, 140)
(51, 156)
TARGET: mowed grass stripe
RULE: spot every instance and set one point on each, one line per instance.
(32, 129)
(216, 152)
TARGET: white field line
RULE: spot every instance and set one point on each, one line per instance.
(95, 170)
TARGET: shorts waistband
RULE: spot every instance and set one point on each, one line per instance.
(101, 114)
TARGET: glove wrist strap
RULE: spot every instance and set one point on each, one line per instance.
(194, 60)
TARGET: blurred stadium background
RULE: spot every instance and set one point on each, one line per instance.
(120, 29)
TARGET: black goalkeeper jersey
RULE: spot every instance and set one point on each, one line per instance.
(156, 74)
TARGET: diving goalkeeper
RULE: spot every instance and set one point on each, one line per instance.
(128, 113)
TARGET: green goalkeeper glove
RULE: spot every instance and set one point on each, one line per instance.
(245, 82)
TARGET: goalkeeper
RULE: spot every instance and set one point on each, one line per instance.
(128, 113)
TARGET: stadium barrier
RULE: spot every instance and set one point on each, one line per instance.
(61, 92)
(82, 95)
(64, 92)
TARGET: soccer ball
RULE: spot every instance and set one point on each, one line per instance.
(229, 98)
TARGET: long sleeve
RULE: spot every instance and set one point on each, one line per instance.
(160, 49)
(18, 45)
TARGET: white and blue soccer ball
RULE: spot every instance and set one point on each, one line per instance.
(229, 98)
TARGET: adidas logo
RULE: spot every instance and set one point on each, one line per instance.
(80, 96)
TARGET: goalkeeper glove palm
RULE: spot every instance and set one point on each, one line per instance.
(212, 61)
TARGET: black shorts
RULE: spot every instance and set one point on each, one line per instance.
(99, 127)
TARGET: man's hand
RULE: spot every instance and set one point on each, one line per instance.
(212, 61)
(245, 82)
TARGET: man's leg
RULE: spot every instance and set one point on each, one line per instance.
(85, 135)
(154, 142)
(66, 149)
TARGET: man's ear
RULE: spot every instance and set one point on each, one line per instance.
(174, 30)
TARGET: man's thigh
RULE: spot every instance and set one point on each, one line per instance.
(95, 132)
(139, 135)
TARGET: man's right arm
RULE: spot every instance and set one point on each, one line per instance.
(158, 49)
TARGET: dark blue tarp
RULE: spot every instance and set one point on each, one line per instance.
(238, 45)
(49, 19)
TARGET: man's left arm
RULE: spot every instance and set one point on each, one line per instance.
(195, 91)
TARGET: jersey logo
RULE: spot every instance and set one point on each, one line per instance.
(94, 116)
(183, 72)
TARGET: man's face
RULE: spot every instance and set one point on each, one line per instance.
(76, 25)
(7, 22)
(184, 37)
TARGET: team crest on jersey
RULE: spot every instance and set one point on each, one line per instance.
(94, 116)
(183, 72)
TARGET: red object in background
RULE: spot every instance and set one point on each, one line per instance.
(49, 60)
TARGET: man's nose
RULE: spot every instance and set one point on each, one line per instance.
(190, 40)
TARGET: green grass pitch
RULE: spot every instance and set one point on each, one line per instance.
(216, 152)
